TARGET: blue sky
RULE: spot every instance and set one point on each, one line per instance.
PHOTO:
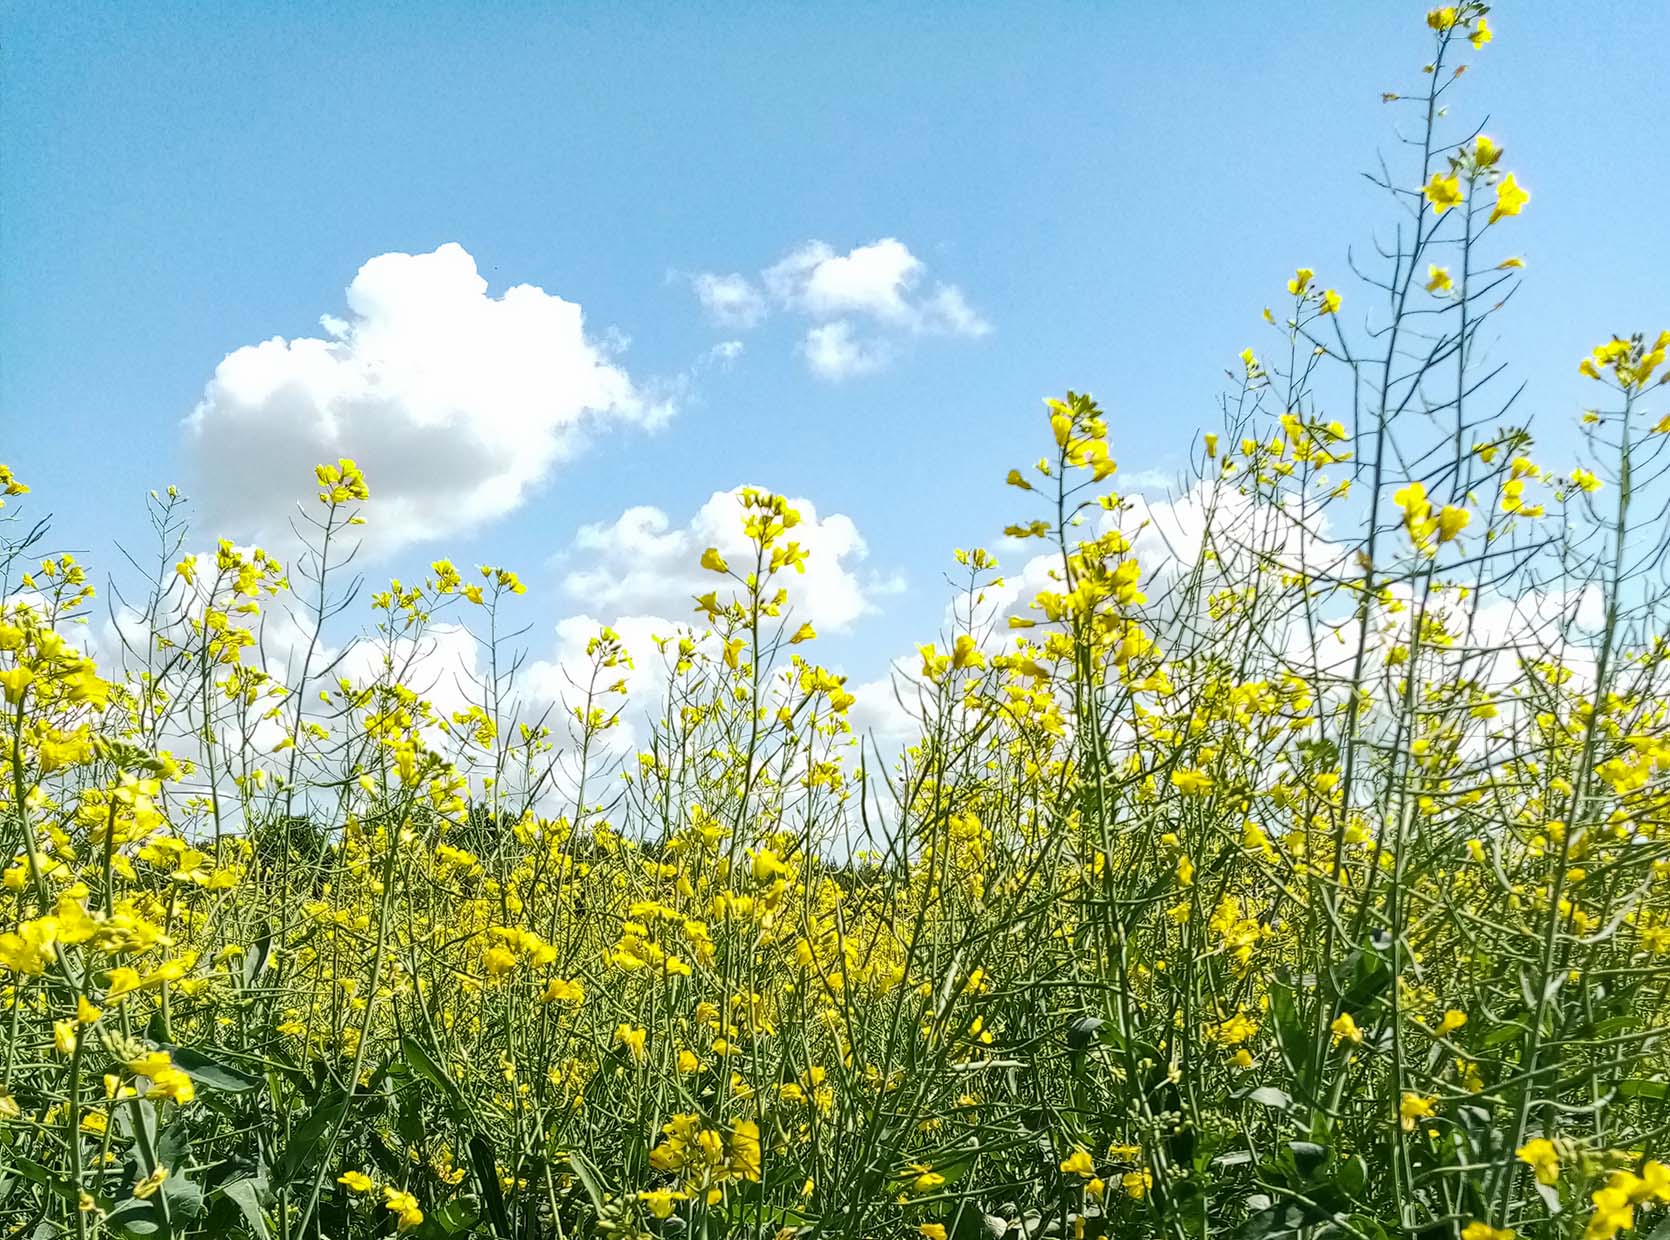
(1115, 190)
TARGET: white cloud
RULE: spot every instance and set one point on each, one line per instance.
(890, 709)
(640, 564)
(834, 351)
(948, 311)
(454, 402)
(860, 302)
(878, 281)
(871, 279)
(443, 666)
(731, 300)
(640, 575)
(725, 352)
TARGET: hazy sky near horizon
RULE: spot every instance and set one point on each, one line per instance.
(557, 274)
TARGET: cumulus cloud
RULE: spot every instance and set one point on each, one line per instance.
(876, 280)
(455, 402)
(724, 353)
(640, 575)
(834, 351)
(861, 303)
(730, 300)
(889, 710)
(642, 564)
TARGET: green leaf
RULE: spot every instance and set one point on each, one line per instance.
(1291, 1035)
(1362, 979)
(305, 1138)
(31, 1170)
(1270, 1096)
(487, 1179)
(409, 1118)
(591, 1180)
(1308, 1157)
(174, 1145)
(1352, 1177)
(426, 1066)
(255, 961)
(184, 1196)
(739, 1209)
(459, 1214)
(246, 1194)
(136, 1218)
(211, 1071)
(1641, 1088)
(142, 1112)
(1082, 1031)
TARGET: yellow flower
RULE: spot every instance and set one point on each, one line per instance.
(172, 1085)
(1079, 1163)
(1509, 198)
(931, 1231)
(341, 482)
(1300, 281)
(1412, 1108)
(1540, 1155)
(355, 1181)
(1453, 1019)
(714, 562)
(10, 484)
(661, 1200)
(167, 1081)
(1451, 521)
(1417, 513)
(745, 1150)
(1443, 192)
(1481, 35)
(14, 681)
(560, 990)
(1484, 1231)
(1344, 1029)
(1614, 1211)
(1441, 19)
(632, 1038)
(1438, 279)
(122, 979)
(404, 1205)
(1330, 302)
(1192, 783)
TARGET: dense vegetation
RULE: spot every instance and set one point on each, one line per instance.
(1300, 867)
